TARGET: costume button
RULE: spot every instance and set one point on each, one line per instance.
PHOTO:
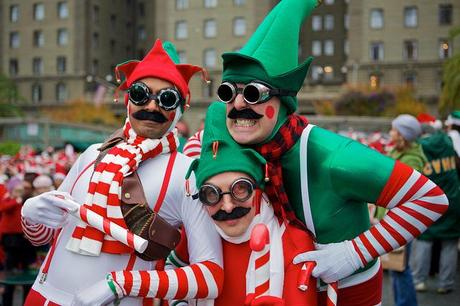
(127, 195)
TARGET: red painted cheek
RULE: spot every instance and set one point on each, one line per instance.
(270, 112)
(171, 116)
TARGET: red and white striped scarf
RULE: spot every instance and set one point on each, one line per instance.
(104, 192)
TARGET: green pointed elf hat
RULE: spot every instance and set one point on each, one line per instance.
(271, 54)
(220, 153)
(453, 118)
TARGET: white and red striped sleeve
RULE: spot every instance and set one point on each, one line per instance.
(202, 280)
(37, 234)
(414, 203)
(192, 147)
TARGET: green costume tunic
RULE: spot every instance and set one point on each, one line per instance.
(441, 169)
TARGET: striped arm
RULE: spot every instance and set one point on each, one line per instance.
(414, 203)
(193, 146)
(202, 280)
(37, 234)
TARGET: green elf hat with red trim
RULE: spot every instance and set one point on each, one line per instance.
(271, 54)
(220, 153)
(161, 62)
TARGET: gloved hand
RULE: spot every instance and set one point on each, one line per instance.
(49, 208)
(265, 300)
(97, 294)
(334, 261)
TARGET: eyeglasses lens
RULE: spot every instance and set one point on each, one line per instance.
(138, 94)
(225, 93)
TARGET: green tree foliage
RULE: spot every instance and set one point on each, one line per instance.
(9, 148)
(9, 95)
(450, 96)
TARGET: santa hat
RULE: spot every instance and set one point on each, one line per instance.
(161, 62)
(271, 54)
(59, 172)
(425, 118)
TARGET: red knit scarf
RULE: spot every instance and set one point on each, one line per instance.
(104, 192)
(288, 134)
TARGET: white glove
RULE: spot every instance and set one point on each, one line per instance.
(334, 261)
(49, 208)
(98, 294)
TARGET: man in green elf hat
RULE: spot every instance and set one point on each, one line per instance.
(318, 179)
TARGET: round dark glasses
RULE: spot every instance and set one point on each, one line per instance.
(167, 98)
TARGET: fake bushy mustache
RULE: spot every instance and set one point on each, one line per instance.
(245, 113)
(236, 213)
(152, 116)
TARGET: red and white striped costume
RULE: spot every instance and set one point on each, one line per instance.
(414, 203)
(68, 273)
(193, 146)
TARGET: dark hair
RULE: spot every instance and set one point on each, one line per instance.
(30, 177)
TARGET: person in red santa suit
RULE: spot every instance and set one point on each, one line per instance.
(135, 173)
(231, 181)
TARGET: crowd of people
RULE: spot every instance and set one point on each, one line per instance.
(271, 210)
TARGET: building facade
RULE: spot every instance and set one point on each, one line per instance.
(394, 43)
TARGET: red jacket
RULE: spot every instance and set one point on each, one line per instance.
(10, 216)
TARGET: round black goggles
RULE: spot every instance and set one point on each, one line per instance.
(253, 93)
(167, 98)
(240, 190)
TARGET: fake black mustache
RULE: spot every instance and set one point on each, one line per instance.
(236, 213)
(152, 116)
(245, 113)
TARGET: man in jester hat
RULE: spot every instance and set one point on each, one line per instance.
(132, 175)
(320, 180)
(230, 181)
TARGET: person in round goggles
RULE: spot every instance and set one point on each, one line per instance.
(230, 182)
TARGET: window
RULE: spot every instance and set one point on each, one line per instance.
(141, 34)
(329, 2)
(409, 79)
(329, 73)
(374, 81)
(37, 66)
(316, 47)
(14, 13)
(181, 4)
(239, 2)
(95, 14)
(445, 49)
(316, 73)
(181, 30)
(62, 37)
(329, 22)
(113, 21)
(210, 28)
(239, 26)
(61, 92)
(39, 38)
(62, 10)
(113, 46)
(329, 47)
(39, 11)
(346, 47)
(376, 51)
(316, 23)
(61, 63)
(209, 58)
(141, 8)
(410, 50)
(182, 56)
(15, 41)
(13, 67)
(376, 20)
(210, 3)
(94, 67)
(36, 93)
(445, 14)
(346, 21)
(410, 17)
(95, 40)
